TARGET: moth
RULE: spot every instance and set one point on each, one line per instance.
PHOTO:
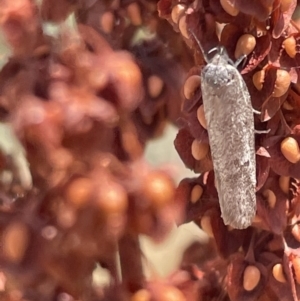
(230, 125)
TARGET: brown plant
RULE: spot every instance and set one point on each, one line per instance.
(84, 104)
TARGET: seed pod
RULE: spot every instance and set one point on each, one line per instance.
(289, 45)
(259, 79)
(159, 188)
(155, 85)
(245, 45)
(191, 85)
(199, 149)
(15, 241)
(107, 22)
(177, 12)
(271, 197)
(284, 184)
(290, 149)
(251, 277)
(282, 83)
(231, 10)
(134, 13)
(196, 193)
(183, 27)
(278, 274)
(205, 224)
(168, 293)
(112, 198)
(79, 192)
(201, 117)
(61, 158)
(141, 295)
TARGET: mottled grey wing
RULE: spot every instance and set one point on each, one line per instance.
(230, 124)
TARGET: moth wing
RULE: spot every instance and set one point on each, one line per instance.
(230, 124)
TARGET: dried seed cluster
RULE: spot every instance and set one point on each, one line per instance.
(84, 104)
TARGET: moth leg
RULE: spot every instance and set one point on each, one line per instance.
(257, 131)
(238, 61)
(262, 132)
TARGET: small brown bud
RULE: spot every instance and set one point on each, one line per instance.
(271, 197)
(199, 149)
(259, 79)
(112, 198)
(66, 215)
(251, 277)
(245, 45)
(201, 117)
(191, 85)
(159, 188)
(79, 192)
(107, 22)
(134, 13)
(141, 295)
(278, 274)
(284, 184)
(289, 45)
(282, 83)
(61, 158)
(196, 193)
(290, 149)
(205, 224)
(155, 85)
(15, 241)
(177, 12)
(169, 293)
(227, 6)
(183, 27)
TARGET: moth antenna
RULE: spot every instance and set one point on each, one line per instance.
(200, 46)
(256, 112)
(262, 132)
(213, 49)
